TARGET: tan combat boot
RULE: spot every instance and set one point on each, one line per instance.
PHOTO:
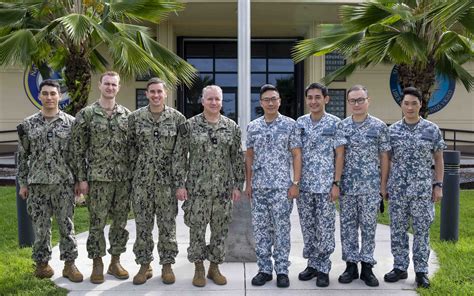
(167, 275)
(145, 273)
(71, 272)
(116, 269)
(199, 279)
(43, 270)
(215, 275)
(97, 275)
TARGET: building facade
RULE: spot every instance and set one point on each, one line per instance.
(205, 34)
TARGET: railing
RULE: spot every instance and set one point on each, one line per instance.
(8, 132)
(459, 137)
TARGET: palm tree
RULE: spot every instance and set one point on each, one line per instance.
(79, 37)
(422, 37)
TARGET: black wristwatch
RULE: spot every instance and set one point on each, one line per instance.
(439, 184)
(337, 183)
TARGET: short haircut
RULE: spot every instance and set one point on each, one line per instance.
(316, 85)
(109, 73)
(267, 87)
(358, 87)
(412, 91)
(209, 87)
(50, 82)
(155, 80)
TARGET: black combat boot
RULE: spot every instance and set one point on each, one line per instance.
(368, 276)
(351, 273)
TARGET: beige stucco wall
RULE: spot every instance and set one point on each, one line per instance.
(459, 114)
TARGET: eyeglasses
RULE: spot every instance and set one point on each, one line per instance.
(268, 100)
(358, 101)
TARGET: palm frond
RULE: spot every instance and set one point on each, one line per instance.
(11, 17)
(77, 27)
(322, 45)
(150, 10)
(376, 46)
(448, 13)
(185, 72)
(17, 48)
(467, 20)
(359, 17)
(412, 45)
(342, 72)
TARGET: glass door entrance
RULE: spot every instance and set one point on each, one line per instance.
(216, 61)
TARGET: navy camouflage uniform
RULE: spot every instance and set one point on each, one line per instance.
(410, 190)
(271, 179)
(101, 158)
(152, 143)
(317, 212)
(43, 167)
(211, 171)
(360, 186)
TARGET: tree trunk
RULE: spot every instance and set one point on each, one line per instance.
(77, 76)
(421, 77)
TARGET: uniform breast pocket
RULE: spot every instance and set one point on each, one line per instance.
(63, 136)
(371, 137)
(168, 138)
(99, 128)
(225, 137)
(199, 140)
(328, 132)
(281, 138)
(122, 130)
(144, 133)
(426, 143)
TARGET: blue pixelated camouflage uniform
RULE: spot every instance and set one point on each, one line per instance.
(316, 211)
(410, 190)
(271, 179)
(360, 186)
(44, 168)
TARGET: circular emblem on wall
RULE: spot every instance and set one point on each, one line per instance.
(443, 93)
(31, 81)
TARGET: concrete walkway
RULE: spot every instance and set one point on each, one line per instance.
(239, 275)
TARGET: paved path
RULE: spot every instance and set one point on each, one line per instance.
(239, 275)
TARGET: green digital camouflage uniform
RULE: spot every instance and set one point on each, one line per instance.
(43, 157)
(101, 158)
(151, 146)
(213, 169)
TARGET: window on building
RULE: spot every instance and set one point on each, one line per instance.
(337, 102)
(217, 63)
(334, 61)
(140, 98)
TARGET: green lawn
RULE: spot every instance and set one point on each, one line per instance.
(455, 275)
(16, 266)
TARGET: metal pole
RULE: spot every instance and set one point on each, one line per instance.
(26, 235)
(243, 45)
(449, 228)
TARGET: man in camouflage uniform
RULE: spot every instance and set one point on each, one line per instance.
(152, 136)
(272, 146)
(415, 142)
(99, 136)
(208, 179)
(364, 179)
(46, 180)
(323, 160)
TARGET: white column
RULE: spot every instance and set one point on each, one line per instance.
(244, 54)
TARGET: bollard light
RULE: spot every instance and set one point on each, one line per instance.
(449, 228)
